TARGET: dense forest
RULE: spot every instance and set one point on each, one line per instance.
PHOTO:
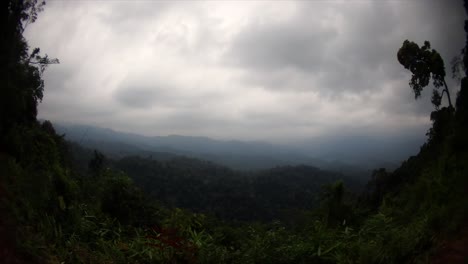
(203, 186)
(61, 203)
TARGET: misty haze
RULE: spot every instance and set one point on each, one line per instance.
(234, 131)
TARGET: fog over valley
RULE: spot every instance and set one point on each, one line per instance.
(334, 153)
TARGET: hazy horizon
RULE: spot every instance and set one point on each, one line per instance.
(281, 72)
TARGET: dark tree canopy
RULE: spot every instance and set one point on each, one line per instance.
(97, 163)
(21, 69)
(424, 63)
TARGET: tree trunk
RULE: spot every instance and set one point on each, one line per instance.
(448, 95)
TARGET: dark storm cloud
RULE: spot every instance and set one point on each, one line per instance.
(281, 45)
(250, 70)
(328, 51)
(354, 52)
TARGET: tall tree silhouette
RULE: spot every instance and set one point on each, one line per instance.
(22, 86)
(462, 99)
(424, 63)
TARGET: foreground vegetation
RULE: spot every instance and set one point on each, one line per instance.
(56, 213)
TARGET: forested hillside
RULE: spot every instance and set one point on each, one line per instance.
(209, 188)
(58, 207)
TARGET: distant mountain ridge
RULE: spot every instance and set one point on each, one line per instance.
(236, 154)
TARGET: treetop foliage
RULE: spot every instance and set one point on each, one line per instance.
(424, 63)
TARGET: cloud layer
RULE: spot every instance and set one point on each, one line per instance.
(281, 71)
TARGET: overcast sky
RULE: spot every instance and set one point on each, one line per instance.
(270, 70)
